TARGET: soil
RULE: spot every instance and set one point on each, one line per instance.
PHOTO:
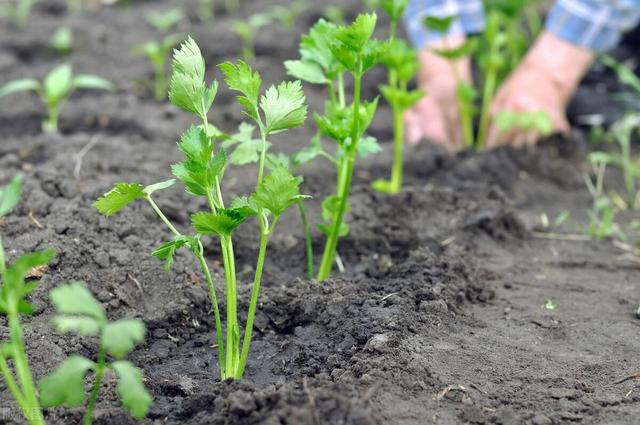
(439, 316)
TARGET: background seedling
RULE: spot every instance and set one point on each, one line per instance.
(62, 41)
(158, 53)
(57, 86)
(603, 210)
(536, 121)
(327, 53)
(80, 313)
(13, 304)
(288, 15)
(75, 6)
(17, 11)
(247, 29)
(402, 65)
(280, 108)
(164, 21)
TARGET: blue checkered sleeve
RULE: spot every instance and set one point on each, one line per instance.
(593, 24)
(469, 13)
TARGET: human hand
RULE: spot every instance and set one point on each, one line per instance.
(436, 116)
(544, 81)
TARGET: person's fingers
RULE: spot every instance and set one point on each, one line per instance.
(413, 128)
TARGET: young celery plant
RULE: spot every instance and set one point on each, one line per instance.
(466, 94)
(17, 11)
(57, 86)
(279, 109)
(13, 304)
(402, 65)
(246, 30)
(80, 313)
(62, 41)
(535, 121)
(288, 15)
(206, 10)
(328, 52)
(158, 53)
(603, 211)
(164, 21)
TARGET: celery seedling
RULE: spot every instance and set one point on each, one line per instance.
(206, 10)
(287, 16)
(247, 29)
(535, 121)
(81, 314)
(327, 53)
(603, 211)
(57, 86)
(164, 21)
(158, 53)
(17, 11)
(62, 41)
(13, 303)
(279, 109)
(402, 65)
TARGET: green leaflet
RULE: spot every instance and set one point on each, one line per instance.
(283, 107)
(135, 397)
(167, 250)
(120, 337)
(117, 198)
(10, 194)
(66, 384)
(279, 190)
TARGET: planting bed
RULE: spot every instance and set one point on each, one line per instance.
(437, 318)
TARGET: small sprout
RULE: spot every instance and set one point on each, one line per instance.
(81, 314)
(75, 6)
(549, 305)
(17, 11)
(280, 108)
(247, 30)
(288, 15)
(164, 21)
(603, 211)
(62, 41)
(158, 53)
(57, 86)
(206, 10)
(535, 121)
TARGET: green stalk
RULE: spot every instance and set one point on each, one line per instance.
(344, 188)
(164, 218)
(341, 97)
(491, 80)
(308, 240)
(12, 386)
(398, 149)
(255, 292)
(50, 125)
(629, 180)
(21, 364)
(3, 264)
(467, 121)
(216, 312)
(231, 358)
(160, 82)
(95, 390)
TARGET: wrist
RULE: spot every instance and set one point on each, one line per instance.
(560, 62)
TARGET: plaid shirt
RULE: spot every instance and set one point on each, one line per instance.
(593, 24)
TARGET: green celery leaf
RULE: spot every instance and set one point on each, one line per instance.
(279, 190)
(440, 25)
(135, 397)
(399, 98)
(330, 206)
(187, 88)
(14, 289)
(199, 178)
(20, 85)
(309, 153)
(247, 148)
(75, 299)
(168, 249)
(222, 223)
(10, 194)
(58, 83)
(195, 145)
(65, 386)
(120, 337)
(149, 190)
(367, 146)
(118, 197)
(394, 8)
(164, 21)
(86, 81)
(284, 107)
(466, 49)
(241, 77)
(80, 325)
(307, 71)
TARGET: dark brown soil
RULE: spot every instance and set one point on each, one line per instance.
(438, 317)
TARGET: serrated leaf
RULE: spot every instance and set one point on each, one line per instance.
(241, 77)
(284, 107)
(65, 386)
(167, 250)
(149, 190)
(198, 178)
(14, 289)
(439, 25)
(120, 337)
(195, 145)
(245, 148)
(394, 8)
(307, 71)
(58, 83)
(279, 190)
(330, 206)
(368, 146)
(356, 35)
(75, 299)
(135, 397)
(80, 325)
(401, 99)
(187, 88)
(10, 194)
(86, 81)
(465, 49)
(118, 197)
(222, 223)
(315, 48)
(16, 86)
(164, 21)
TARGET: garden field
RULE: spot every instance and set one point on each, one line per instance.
(464, 299)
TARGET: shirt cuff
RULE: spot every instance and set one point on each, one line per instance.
(593, 24)
(470, 19)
